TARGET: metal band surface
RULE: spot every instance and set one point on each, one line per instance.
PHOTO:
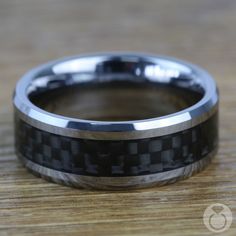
(84, 152)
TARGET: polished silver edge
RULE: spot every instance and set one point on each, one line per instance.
(99, 130)
(124, 135)
(117, 183)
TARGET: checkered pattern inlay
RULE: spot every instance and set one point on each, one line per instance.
(116, 158)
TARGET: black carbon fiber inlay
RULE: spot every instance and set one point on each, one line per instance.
(116, 158)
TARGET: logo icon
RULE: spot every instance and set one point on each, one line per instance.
(217, 217)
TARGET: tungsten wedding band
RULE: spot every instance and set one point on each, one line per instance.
(116, 120)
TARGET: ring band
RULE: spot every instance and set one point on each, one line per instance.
(116, 120)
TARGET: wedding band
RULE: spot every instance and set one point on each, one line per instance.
(116, 120)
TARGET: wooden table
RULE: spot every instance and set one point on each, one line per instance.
(33, 32)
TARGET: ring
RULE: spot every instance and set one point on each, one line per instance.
(116, 120)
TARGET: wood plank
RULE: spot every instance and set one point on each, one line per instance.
(33, 32)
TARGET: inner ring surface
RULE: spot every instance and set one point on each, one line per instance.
(115, 89)
(115, 101)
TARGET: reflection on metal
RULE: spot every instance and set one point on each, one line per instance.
(156, 73)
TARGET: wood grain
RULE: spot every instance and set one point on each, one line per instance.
(33, 32)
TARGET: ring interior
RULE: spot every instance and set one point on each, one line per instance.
(115, 89)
